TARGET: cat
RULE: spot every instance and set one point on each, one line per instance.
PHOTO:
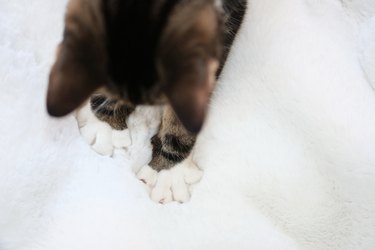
(124, 53)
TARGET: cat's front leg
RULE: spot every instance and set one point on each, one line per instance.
(171, 170)
(102, 123)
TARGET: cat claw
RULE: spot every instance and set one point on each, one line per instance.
(170, 185)
(100, 135)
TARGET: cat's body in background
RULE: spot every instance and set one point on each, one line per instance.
(145, 52)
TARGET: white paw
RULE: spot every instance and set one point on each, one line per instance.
(100, 135)
(171, 185)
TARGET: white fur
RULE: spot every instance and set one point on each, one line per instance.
(173, 184)
(103, 139)
(287, 150)
(219, 4)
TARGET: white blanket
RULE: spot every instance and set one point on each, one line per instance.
(288, 150)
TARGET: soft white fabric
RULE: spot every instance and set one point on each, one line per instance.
(288, 149)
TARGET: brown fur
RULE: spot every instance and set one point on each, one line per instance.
(172, 144)
(79, 68)
(110, 110)
(139, 52)
(190, 44)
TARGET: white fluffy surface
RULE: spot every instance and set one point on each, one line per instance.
(288, 150)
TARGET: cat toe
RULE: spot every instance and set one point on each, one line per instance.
(148, 176)
(179, 188)
(103, 141)
(184, 175)
(192, 174)
(89, 134)
(83, 115)
(162, 193)
(121, 138)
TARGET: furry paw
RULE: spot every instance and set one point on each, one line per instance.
(100, 135)
(170, 185)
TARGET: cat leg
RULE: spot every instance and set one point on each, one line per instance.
(171, 170)
(102, 122)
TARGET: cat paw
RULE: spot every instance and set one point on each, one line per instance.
(170, 185)
(100, 135)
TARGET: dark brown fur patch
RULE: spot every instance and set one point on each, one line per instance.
(112, 111)
(80, 65)
(172, 144)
